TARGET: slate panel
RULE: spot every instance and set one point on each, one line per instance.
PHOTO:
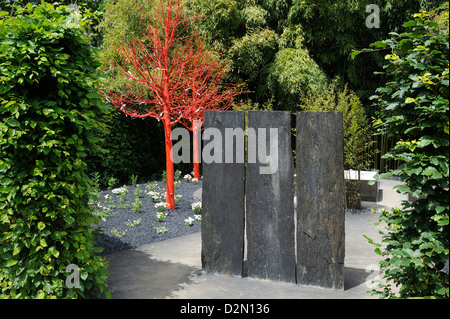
(269, 202)
(223, 194)
(320, 199)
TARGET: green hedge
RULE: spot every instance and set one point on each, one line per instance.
(49, 111)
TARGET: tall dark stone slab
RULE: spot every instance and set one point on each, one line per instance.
(223, 197)
(269, 198)
(320, 199)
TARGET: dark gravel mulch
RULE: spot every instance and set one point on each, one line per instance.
(116, 235)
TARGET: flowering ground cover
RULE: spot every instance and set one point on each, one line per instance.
(132, 216)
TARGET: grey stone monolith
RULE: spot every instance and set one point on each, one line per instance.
(320, 199)
(223, 195)
(269, 197)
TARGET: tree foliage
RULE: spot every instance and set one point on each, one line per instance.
(414, 108)
(331, 30)
(49, 111)
(122, 22)
(264, 50)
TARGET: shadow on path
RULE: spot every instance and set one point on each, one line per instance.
(134, 274)
(354, 277)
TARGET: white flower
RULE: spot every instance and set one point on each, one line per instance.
(161, 230)
(116, 233)
(120, 190)
(133, 223)
(154, 195)
(189, 221)
(197, 207)
(187, 178)
(198, 217)
(100, 206)
(178, 197)
(195, 180)
(160, 216)
(161, 206)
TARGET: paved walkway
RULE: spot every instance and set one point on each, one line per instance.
(172, 268)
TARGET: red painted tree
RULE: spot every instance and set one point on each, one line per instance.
(206, 92)
(157, 71)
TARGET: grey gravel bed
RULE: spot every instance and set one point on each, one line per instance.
(115, 235)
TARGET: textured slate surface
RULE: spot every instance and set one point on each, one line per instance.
(320, 198)
(269, 203)
(223, 204)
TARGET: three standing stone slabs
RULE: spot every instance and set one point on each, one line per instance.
(303, 246)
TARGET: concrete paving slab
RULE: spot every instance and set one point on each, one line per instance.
(171, 269)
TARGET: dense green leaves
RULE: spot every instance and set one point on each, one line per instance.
(49, 109)
(414, 108)
(332, 29)
(264, 50)
(294, 74)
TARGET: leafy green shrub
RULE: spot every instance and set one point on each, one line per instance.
(49, 108)
(413, 107)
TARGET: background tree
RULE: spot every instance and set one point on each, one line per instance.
(263, 50)
(122, 22)
(331, 30)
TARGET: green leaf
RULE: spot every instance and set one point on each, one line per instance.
(409, 23)
(425, 141)
(402, 188)
(16, 250)
(439, 209)
(410, 100)
(6, 181)
(41, 225)
(43, 242)
(433, 172)
(354, 54)
(392, 106)
(380, 44)
(52, 250)
(47, 288)
(11, 262)
(83, 275)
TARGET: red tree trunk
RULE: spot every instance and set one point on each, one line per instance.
(196, 128)
(170, 188)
